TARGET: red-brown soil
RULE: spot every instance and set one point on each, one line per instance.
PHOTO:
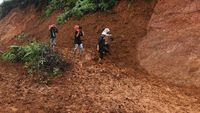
(171, 48)
(119, 85)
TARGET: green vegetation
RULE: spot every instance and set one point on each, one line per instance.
(8, 5)
(71, 8)
(77, 8)
(59, 4)
(37, 57)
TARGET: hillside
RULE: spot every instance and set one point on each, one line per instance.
(153, 66)
(173, 53)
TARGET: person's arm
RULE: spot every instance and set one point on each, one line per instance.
(51, 32)
(56, 30)
(82, 37)
(97, 47)
(83, 33)
(109, 35)
(77, 34)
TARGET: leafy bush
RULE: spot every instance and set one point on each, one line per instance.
(37, 57)
(105, 4)
(59, 4)
(81, 7)
(49, 10)
(77, 8)
(8, 5)
(39, 3)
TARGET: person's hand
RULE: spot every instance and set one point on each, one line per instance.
(111, 39)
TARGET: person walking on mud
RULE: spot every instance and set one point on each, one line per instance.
(52, 32)
(103, 43)
(78, 42)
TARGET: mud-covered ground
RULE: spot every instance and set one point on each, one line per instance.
(119, 85)
(91, 87)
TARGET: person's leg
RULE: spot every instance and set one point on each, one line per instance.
(81, 48)
(75, 48)
(101, 55)
(53, 43)
(107, 48)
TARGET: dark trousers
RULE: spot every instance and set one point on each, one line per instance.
(103, 51)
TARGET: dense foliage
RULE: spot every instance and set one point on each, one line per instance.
(37, 57)
(77, 8)
(8, 5)
(71, 8)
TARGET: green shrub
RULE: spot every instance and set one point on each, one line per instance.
(59, 4)
(81, 7)
(37, 57)
(77, 8)
(49, 10)
(105, 4)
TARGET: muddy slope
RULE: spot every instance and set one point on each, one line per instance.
(128, 22)
(117, 86)
(171, 48)
(90, 89)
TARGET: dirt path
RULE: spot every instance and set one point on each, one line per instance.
(90, 87)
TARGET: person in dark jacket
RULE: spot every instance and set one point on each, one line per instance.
(78, 39)
(53, 32)
(103, 45)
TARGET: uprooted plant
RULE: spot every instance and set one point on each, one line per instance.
(37, 57)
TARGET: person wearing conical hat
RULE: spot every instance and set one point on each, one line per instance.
(103, 44)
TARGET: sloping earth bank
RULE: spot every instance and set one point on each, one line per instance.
(90, 88)
(171, 47)
(118, 85)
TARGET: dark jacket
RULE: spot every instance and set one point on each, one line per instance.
(77, 37)
(53, 31)
(102, 43)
